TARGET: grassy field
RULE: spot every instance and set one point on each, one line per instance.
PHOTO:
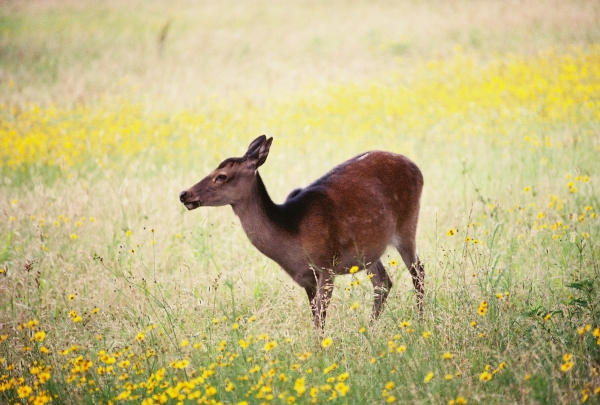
(112, 292)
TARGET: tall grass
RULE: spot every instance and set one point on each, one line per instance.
(110, 291)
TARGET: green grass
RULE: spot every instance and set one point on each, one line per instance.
(95, 246)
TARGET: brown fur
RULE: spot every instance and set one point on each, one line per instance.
(346, 218)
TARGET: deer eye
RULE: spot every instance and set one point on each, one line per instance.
(221, 177)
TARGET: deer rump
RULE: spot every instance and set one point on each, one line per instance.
(349, 216)
(346, 218)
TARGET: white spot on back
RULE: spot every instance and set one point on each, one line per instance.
(363, 156)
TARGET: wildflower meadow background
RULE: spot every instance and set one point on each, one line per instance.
(112, 292)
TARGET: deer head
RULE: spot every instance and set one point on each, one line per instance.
(232, 181)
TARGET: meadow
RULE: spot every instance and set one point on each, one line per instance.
(112, 292)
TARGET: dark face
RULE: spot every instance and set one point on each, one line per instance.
(227, 184)
(231, 182)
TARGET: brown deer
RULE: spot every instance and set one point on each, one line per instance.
(344, 219)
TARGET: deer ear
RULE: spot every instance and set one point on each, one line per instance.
(258, 151)
(255, 144)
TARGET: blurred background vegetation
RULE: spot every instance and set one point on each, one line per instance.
(177, 53)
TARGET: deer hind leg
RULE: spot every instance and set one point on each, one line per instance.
(408, 251)
(321, 295)
(381, 287)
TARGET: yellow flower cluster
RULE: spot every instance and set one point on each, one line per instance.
(470, 99)
(568, 364)
(124, 370)
(483, 307)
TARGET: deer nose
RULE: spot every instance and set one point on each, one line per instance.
(182, 196)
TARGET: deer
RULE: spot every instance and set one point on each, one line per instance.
(344, 220)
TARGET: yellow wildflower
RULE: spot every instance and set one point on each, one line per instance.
(342, 389)
(567, 366)
(483, 306)
(270, 346)
(40, 336)
(299, 386)
(23, 391)
(485, 376)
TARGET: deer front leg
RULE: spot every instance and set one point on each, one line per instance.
(321, 299)
(381, 287)
(311, 291)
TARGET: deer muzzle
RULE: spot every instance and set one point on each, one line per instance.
(186, 200)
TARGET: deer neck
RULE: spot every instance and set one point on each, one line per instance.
(258, 215)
